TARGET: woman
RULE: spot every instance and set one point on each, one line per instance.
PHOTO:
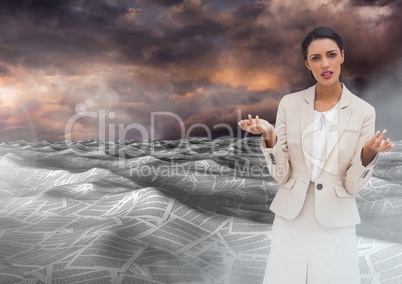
(321, 152)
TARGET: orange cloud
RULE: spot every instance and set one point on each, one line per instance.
(253, 80)
(187, 96)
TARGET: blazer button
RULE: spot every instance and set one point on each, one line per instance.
(319, 186)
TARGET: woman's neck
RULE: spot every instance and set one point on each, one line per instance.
(326, 97)
(328, 93)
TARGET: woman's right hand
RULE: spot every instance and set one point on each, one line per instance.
(256, 126)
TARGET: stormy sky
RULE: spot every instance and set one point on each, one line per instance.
(171, 69)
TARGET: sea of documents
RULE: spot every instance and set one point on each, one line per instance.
(164, 216)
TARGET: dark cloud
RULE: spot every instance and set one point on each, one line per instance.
(167, 3)
(44, 32)
(67, 13)
(201, 60)
(4, 71)
(372, 2)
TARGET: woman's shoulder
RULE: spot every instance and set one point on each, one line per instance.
(360, 103)
(298, 96)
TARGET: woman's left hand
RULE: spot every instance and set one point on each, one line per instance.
(378, 144)
(374, 145)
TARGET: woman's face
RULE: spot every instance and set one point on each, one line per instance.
(324, 59)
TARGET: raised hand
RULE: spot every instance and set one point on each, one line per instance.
(378, 144)
(375, 144)
(256, 126)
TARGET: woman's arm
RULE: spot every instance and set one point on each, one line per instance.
(270, 138)
(273, 142)
(361, 167)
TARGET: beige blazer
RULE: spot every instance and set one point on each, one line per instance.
(341, 175)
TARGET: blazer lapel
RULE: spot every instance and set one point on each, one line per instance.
(340, 122)
(306, 126)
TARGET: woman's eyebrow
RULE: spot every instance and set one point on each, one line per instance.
(329, 51)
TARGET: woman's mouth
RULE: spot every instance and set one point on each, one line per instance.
(326, 74)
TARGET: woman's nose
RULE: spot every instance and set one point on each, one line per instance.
(325, 64)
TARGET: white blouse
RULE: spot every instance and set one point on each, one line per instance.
(322, 122)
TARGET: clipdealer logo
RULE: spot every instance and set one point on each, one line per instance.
(107, 131)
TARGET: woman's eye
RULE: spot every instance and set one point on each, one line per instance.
(314, 58)
(332, 54)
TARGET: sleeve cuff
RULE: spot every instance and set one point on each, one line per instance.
(373, 161)
(263, 146)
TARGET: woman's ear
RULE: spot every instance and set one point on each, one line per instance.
(308, 66)
(343, 56)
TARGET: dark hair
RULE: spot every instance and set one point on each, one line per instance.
(319, 33)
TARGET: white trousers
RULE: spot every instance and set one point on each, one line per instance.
(305, 252)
